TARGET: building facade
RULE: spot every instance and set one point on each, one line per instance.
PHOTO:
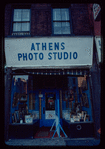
(50, 59)
(96, 70)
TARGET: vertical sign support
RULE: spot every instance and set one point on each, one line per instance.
(57, 121)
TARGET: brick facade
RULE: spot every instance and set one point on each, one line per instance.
(40, 20)
(96, 24)
(95, 73)
(8, 14)
(41, 16)
(80, 19)
(41, 25)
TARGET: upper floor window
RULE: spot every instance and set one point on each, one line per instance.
(61, 21)
(21, 21)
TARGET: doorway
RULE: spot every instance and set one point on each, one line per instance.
(48, 107)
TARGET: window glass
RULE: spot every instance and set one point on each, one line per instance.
(57, 27)
(21, 20)
(17, 15)
(76, 103)
(65, 14)
(61, 21)
(25, 26)
(17, 27)
(25, 15)
(56, 14)
(65, 28)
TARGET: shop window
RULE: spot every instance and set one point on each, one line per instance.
(19, 106)
(76, 103)
(61, 21)
(24, 102)
(20, 94)
(21, 22)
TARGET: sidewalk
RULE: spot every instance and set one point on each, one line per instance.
(82, 142)
(54, 142)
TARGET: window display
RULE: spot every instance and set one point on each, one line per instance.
(76, 106)
(23, 103)
(74, 97)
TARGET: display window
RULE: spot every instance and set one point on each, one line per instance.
(27, 104)
(24, 103)
(76, 103)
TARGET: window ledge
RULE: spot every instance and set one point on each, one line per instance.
(20, 34)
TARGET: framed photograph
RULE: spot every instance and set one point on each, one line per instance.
(28, 119)
(76, 118)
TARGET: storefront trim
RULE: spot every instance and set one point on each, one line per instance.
(74, 72)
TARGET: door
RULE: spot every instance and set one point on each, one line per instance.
(48, 107)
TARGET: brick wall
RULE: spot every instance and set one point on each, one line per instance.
(96, 24)
(41, 19)
(80, 19)
(8, 14)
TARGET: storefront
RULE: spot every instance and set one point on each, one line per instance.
(44, 71)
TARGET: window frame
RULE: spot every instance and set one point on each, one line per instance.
(70, 21)
(20, 33)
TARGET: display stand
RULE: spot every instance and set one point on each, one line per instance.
(57, 122)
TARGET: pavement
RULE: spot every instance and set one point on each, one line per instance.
(54, 142)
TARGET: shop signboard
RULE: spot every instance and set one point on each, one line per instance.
(96, 10)
(49, 52)
(98, 46)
